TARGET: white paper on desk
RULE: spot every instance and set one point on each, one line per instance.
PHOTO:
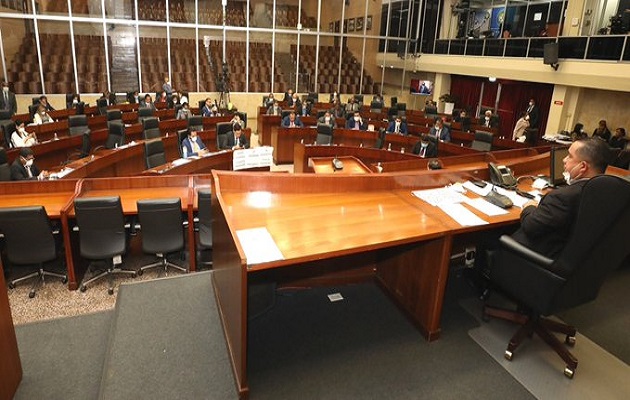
(258, 245)
(477, 190)
(439, 196)
(64, 172)
(486, 207)
(180, 161)
(517, 200)
(462, 215)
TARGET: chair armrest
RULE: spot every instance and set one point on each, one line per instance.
(513, 246)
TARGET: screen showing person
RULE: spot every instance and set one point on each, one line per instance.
(418, 86)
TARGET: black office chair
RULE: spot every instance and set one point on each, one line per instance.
(5, 115)
(204, 239)
(77, 125)
(5, 168)
(101, 104)
(320, 113)
(80, 108)
(102, 236)
(195, 123)
(151, 128)
(376, 106)
(482, 141)
(29, 240)
(8, 128)
(324, 134)
(223, 128)
(542, 286)
(32, 109)
(162, 231)
(154, 154)
(201, 104)
(114, 116)
(84, 151)
(144, 113)
(393, 101)
(181, 135)
(116, 135)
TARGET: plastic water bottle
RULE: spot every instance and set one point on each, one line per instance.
(402, 149)
(56, 138)
(389, 147)
(379, 167)
(116, 145)
(185, 151)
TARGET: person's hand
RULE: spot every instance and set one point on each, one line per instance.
(202, 152)
(531, 203)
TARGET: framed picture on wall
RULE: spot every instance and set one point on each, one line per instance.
(351, 25)
(359, 24)
(368, 23)
(331, 27)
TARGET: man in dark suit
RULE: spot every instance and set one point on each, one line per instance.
(327, 119)
(546, 226)
(288, 97)
(236, 139)
(397, 126)
(356, 122)
(43, 100)
(425, 148)
(7, 99)
(292, 121)
(23, 168)
(440, 131)
(193, 146)
(532, 111)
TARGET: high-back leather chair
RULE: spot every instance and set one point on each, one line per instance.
(101, 104)
(7, 130)
(114, 116)
(223, 128)
(77, 124)
(29, 240)
(324, 134)
(204, 238)
(181, 135)
(5, 115)
(195, 123)
(116, 135)
(154, 154)
(482, 141)
(162, 231)
(545, 286)
(151, 128)
(145, 112)
(5, 168)
(102, 236)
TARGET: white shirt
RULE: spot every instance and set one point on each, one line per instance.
(21, 141)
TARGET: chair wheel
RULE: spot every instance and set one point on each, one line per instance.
(31, 294)
(568, 372)
(11, 285)
(64, 280)
(508, 355)
(139, 273)
(110, 291)
(569, 340)
(82, 288)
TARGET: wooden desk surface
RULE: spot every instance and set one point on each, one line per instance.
(351, 165)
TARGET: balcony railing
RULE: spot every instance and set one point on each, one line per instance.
(608, 47)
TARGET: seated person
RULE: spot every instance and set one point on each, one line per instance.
(236, 119)
(208, 109)
(21, 138)
(132, 97)
(292, 121)
(397, 126)
(288, 97)
(434, 164)
(602, 131)
(110, 97)
(425, 148)
(41, 116)
(546, 226)
(166, 86)
(440, 131)
(578, 132)
(147, 102)
(460, 117)
(236, 139)
(489, 120)
(193, 146)
(162, 98)
(296, 104)
(521, 126)
(43, 100)
(23, 168)
(183, 97)
(184, 112)
(334, 97)
(73, 102)
(619, 139)
(356, 122)
(274, 109)
(327, 119)
(307, 108)
(269, 101)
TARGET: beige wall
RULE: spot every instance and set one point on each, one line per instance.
(595, 105)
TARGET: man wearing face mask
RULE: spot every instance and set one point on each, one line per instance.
(7, 99)
(532, 112)
(274, 109)
(546, 226)
(425, 148)
(184, 112)
(440, 132)
(193, 146)
(397, 126)
(23, 168)
(292, 121)
(327, 119)
(356, 122)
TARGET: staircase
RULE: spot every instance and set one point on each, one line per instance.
(166, 341)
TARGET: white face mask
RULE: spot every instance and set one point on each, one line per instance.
(567, 176)
(75, 101)
(487, 118)
(5, 88)
(424, 144)
(29, 162)
(327, 119)
(193, 138)
(531, 104)
(356, 119)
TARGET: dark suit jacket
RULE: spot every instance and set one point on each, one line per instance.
(546, 228)
(286, 122)
(392, 126)
(350, 124)
(445, 134)
(19, 173)
(12, 106)
(533, 116)
(186, 144)
(231, 141)
(333, 122)
(429, 152)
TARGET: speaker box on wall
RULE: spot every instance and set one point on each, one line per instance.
(551, 53)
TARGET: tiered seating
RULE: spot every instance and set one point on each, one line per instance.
(177, 13)
(152, 11)
(17, 5)
(287, 16)
(211, 13)
(328, 70)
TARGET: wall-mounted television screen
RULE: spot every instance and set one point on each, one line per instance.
(420, 87)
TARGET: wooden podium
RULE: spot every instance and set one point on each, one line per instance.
(10, 366)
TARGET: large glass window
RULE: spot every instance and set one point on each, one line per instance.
(86, 8)
(20, 55)
(210, 58)
(183, 59)
(153, 58)
(90, 51)
(260, 63)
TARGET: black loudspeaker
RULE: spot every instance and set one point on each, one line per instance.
(551, 53)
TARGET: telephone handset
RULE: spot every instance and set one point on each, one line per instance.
(337, 164)
(501, 175)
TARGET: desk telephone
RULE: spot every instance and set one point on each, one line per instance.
(337, 164)
(501, 175)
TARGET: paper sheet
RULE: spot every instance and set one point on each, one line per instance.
(476, 189)
(462, 215)
(439, 196)
(258, 245)
(486, 207)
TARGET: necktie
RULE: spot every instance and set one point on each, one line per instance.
(238, 142)
(423, 152)
(28, 170)
(529, 109)
(438, 133)
(6, 100)
(195, 147)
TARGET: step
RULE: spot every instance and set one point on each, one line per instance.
(166, 342)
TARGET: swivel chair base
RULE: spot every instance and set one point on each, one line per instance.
(40, 281)
(543, 327)
(109, 273)
(162, 263)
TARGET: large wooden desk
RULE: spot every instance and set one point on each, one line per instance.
(10, 365)
(337, 222)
